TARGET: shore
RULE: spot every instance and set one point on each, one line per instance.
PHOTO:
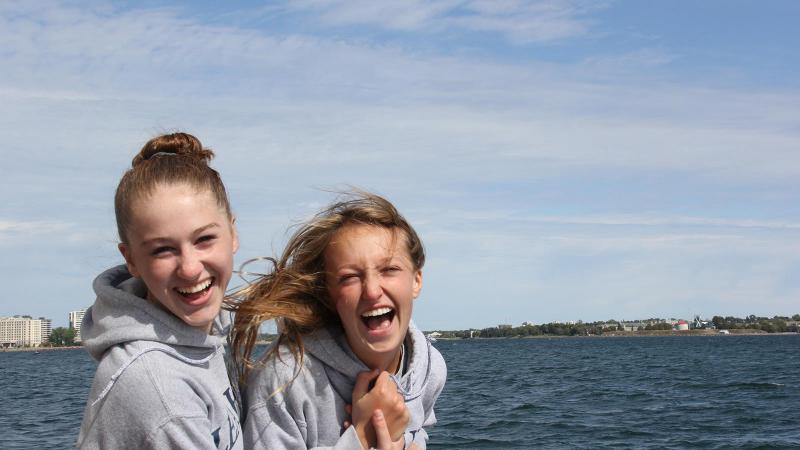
(643, 333)
(744, 331)
(38, 349)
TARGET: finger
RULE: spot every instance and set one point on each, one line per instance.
(362, 384)
(346, 424)
(348, 408)
(384, 383)
(383, 439)
(399, 421)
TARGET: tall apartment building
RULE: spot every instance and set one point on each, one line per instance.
(47, 327)
(75, 319)
(20, 331)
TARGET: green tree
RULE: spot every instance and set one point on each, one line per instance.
(60, 337)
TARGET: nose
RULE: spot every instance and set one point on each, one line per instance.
(372, 289)
(189, 266)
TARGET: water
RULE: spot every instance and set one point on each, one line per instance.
(43, 397)
(649, 392)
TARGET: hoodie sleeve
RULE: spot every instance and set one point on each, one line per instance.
(183, 432)
(273, 427)
(289, 409)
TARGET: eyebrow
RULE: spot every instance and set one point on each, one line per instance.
(195, 232)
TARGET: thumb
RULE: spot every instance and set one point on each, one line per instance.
(384, 441)
(363, 384)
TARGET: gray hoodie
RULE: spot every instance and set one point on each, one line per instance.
(160, 383)
(310, 408)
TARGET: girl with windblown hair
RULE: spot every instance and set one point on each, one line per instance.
(344, 288)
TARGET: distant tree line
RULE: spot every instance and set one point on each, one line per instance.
(776, 324)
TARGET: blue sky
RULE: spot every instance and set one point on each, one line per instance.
(562, 160)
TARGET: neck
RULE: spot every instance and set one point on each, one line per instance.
(389, 363)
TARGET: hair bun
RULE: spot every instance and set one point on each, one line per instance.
(173, 144)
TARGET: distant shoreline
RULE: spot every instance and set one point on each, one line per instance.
(643, 333)
(39, 349)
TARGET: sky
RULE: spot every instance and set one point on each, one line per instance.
(561, 160)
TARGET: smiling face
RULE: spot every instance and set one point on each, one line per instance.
(181, 245)
(372, 283)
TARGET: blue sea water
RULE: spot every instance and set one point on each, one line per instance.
(644, 392)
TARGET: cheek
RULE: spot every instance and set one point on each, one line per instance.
(343, 300)
(152, 268)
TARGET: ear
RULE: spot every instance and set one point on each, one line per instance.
(417, 283)
(126, 253)
(235, 235)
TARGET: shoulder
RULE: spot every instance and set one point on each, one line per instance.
(274, 374)
(427, 355)
(429, 366)
(437, 360)
(282, 382)
(151, 380)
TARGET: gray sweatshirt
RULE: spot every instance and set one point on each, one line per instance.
(160, 383)
(310, 408)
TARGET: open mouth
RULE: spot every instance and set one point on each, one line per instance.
(378, 319)
(196, 291)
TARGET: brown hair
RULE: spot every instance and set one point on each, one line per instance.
(165, 160)
(294, 292)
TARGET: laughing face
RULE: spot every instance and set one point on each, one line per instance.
(181, 244)
(373, 284)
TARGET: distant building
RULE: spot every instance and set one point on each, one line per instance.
(682, 325)
(47, 327)
(20, 331)
(632, 326)
(504, 326)
(75, 319)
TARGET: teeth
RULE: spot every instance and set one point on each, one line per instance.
(196, 288)
(377, 312)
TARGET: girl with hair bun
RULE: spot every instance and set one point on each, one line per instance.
(156, 328)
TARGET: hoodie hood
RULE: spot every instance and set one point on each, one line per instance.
(122, 314)
(154, 373)
(342, 366)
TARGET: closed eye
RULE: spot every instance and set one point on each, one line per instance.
(161, 251)
(348, 278)
(205, 239)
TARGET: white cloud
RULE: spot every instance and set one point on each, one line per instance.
(525, 22)
(518, 20)
(18, 230)
(679, 221)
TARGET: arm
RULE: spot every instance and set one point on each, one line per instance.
(276, 429)
(285, 412)
(183, 432)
